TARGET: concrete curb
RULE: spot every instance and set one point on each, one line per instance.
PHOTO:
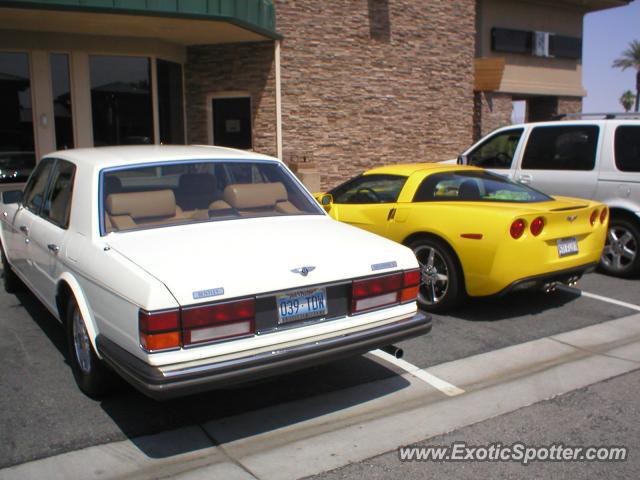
(300, 439)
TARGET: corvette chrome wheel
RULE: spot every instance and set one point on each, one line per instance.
(434, 275)
(440, 272)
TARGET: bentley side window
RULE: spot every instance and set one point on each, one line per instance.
(36, 186)
(58, 204)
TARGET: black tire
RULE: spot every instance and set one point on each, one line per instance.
(12, 282)
(621, 255)
(92, 376)
(441, 285)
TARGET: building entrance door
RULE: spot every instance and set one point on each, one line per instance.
(232, 122)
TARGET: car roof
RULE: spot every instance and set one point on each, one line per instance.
(103, 157)
(407, 169)
(574, 121)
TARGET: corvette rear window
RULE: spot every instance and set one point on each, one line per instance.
(475, 186)
(148, 196)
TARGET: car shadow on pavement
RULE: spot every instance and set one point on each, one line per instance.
(512, 305)
(138, 416)
(43, 318)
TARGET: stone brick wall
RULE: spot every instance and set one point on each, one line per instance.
(545, 108)
(491, 110)
(371, 82)
(245, 67)
(569, 104)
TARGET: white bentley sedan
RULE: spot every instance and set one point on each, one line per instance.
(189, 268)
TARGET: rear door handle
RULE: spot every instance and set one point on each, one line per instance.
(24, 229)
(525, 178)
(53, 247)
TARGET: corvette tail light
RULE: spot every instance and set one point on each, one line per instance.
(384, 290)
(536, 226)
(217, 322)
(603, 215)
(593, 217)
(517, 228)
(159, 330)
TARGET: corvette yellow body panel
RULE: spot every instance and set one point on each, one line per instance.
(491, 259)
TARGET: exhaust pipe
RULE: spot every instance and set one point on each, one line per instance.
(393, 350)
(549, 287)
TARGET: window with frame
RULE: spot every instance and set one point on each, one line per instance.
(472, 185)
(35, 189)
(627, 148)
(374, 188)
(571, 147)
(497, 151)
(57, 206)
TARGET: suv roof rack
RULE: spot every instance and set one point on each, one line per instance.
(606, 115)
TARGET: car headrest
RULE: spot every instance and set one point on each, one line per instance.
(254, 195)
(157, 203)
(469, 190)
(112, 185)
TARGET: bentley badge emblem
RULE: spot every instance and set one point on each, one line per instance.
(304, 271)
(571, 218)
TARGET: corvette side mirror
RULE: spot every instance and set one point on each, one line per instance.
(326, 199)
(462, 160)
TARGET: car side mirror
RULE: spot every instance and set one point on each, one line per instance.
(462, 160)
(12, 196)
(326, 199)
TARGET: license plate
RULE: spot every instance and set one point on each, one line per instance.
(301, 305)
(567, 246)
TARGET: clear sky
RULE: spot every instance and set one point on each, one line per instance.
(606, 35)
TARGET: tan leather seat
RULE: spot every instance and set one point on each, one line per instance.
(129, 210)
(256, 198)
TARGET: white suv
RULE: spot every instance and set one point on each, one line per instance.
(595, 159)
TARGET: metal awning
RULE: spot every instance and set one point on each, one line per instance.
(184, 22)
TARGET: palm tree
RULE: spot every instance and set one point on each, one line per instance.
(627, 99)
(631, 59)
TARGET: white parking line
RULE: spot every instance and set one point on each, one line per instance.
(610, 300)
(435, 382)
(601, 298)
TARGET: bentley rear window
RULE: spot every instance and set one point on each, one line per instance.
(189, 192)
(475, 186)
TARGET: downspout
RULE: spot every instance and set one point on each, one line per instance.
(278, 102)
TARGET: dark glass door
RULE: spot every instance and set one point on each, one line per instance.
(17, 150)
(232, 122)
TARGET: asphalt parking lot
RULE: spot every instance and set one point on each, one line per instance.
(42, 413)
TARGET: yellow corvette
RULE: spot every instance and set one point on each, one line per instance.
(474, 233)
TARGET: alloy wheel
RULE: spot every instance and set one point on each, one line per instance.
(434, 283)
(81, 343)
(620, 250)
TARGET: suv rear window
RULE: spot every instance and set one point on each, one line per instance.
(627, 148)
(561, 148)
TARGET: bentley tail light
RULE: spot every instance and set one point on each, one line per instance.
(536, 226)
(217, 322)
(159, 330)
(384, 290)
(593, 218)
(517, 228)
(410, 286)
(603, 215)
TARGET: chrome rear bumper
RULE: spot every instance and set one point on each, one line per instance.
(163, 384)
